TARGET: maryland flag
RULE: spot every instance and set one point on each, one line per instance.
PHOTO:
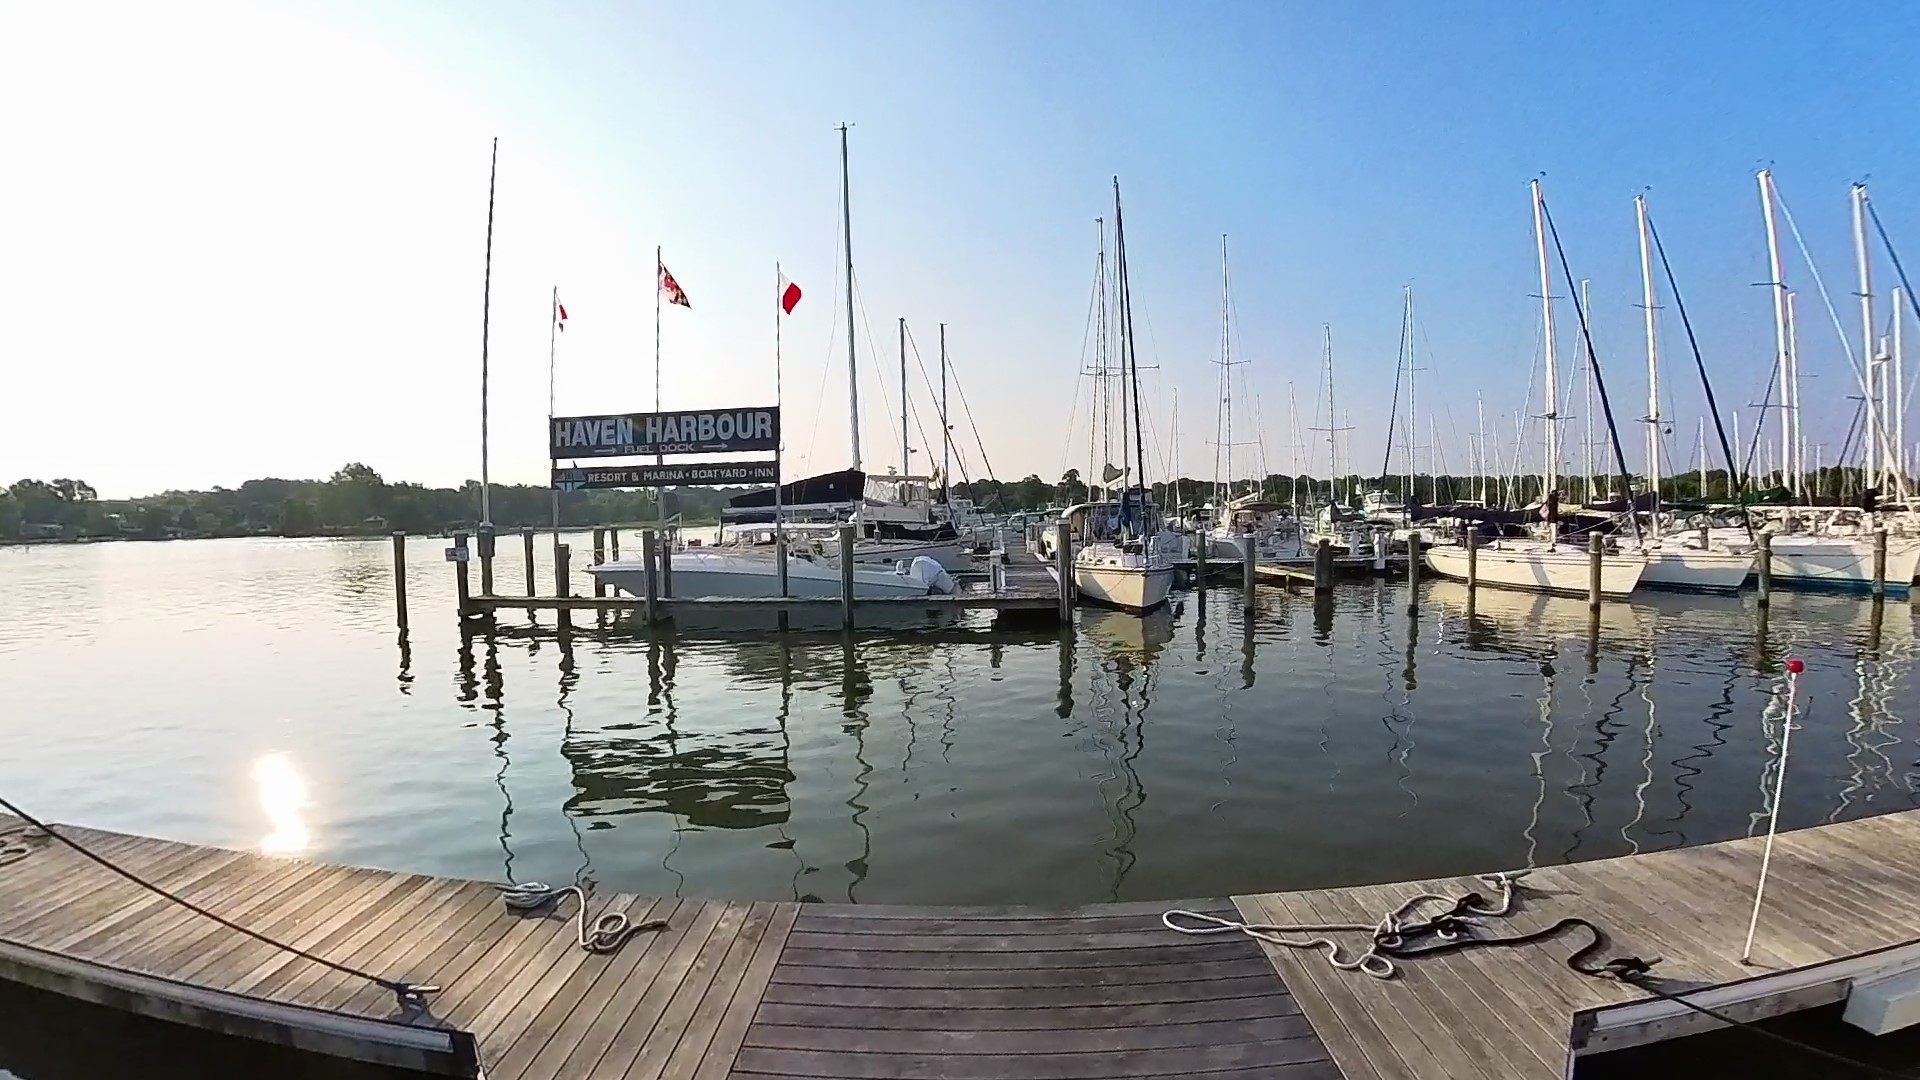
(671, 289)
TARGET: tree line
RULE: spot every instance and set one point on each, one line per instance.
(354, 501)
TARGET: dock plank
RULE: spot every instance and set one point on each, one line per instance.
(747, 1000)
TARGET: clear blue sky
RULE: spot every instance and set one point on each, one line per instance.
(254, 236)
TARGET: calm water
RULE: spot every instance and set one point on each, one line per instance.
(253, 693)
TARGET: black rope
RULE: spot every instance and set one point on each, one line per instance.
(1453, 930)
(409, 995)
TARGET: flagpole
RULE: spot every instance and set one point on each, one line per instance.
(486, 307)
(553, 334)
(779, 389)
(659, 493)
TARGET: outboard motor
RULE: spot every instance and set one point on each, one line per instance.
(927, 571)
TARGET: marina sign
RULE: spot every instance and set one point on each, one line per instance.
(704, 474)
(708, 431)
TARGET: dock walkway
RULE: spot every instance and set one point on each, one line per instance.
(762, 990)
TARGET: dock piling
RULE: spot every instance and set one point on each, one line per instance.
(1596, 552)
(600, 556)
(462, 587)
(1249, 573)
(613, 544)
(1473, 558)
(563, 582)
(400, 581)
(1200, 566)
(780, 560)
(846, 575)
(666, 562)
(1381, 538)
(1763, 570)
(1323, 566)
(648, 541)
(1413, 571)
(1880, 564)
(1063, 565)
(526, 546)
(485, 539)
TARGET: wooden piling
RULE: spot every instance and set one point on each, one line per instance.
(1596, 552)
(563, 582)
(1323, 566)
(1381, 539)
(526, 545)
(1879, 564)
(613, 544)
(462, 588)
(600, 556)
(846, 575)
(780, 560)
(648, 541)
(1413, 571)
(1063, 565)
(400, 581)
(485, 539)
(1249, 573)
(1473, 558)
(1763, 570)
(1200, 566)
(666, 563)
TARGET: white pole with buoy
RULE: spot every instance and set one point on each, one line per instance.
(1794, 668)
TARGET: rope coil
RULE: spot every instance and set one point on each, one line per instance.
(610, 931)
(1387, 938)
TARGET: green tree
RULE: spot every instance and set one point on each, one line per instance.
(11, 517)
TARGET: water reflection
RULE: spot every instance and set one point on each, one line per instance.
(282, 794)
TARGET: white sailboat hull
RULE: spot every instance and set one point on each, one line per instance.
(1693, 569)
(1540, 569)
(1135, 589)
(1842, 562)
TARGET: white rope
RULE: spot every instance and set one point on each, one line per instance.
(1384, 934)
(610, 931)
(1794, 667)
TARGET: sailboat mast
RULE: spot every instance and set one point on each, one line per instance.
(486, 311)
(1790, 395)
(1333, 426)
(1226, 372)
(846, 236)
(1653, 362)
(1413, 418)
(1551, 476)
(1293, 448)
(1869, 353)
(946, 432)
(1783, 366)
(1129, 359)
(1587, 460)
(1899, 386)
(1701, 451)
(906, 445)
(1480, 438)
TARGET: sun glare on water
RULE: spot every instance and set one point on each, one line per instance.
(283, 795)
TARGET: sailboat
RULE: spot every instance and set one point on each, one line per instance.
(1121, 562)
(1685, 561)
(1250, 518)
(1543, 564)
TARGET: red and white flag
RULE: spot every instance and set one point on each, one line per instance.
(559, 315)
(671, 289)
(789, 295)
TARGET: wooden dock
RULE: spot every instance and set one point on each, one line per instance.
(762, 990)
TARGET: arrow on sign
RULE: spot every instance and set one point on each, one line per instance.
(570, 480)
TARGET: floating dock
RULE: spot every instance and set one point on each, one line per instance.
(761, 990)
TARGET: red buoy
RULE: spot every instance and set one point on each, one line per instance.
(1796, 666)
